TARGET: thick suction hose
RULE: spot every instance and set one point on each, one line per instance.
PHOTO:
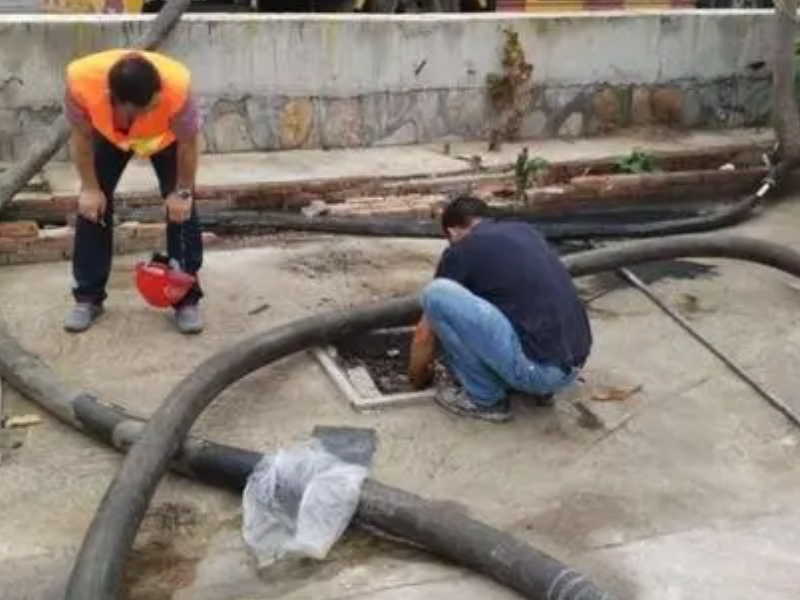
(98, 569)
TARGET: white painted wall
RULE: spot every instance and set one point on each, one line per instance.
(344, 56)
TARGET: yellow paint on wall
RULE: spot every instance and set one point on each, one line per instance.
(93, 6)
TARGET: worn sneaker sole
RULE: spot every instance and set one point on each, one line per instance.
(488, 416)
(190, 330)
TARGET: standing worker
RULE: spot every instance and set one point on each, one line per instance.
(120, 103)
(505, 312)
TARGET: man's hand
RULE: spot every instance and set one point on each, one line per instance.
(178, 209)
(423, 352)
(92, 205)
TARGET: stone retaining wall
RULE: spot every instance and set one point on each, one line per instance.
(283, 82)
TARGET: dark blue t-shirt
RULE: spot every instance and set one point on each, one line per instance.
(510, 265)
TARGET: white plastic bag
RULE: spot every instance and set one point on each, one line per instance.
(299, 501)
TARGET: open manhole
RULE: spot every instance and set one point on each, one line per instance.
(371, 369)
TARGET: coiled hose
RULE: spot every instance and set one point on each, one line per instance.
(99, 565)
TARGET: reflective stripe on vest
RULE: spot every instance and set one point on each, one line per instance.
(149, 133)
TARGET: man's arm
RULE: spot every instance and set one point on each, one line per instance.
(91, 200)
(82, 151)
(423, 352)
(188, 154)
(186, 127)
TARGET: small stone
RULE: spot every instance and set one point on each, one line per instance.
(315, 209)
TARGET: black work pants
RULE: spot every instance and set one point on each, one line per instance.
(94, 242)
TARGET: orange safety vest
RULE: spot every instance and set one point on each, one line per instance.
(87, 79)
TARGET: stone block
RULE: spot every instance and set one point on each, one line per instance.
(262, 115)
(230, 133)
(667, 106)
(427, 114)
(534, 124)
(607, 109)
(572, 126)
(9, 245)
(61, 245)
(641, 106)
(405, 134)
(692, 109)
(465, 112)
(342, 123)
(754, 96)
(296, 123)
(57, 233)
(559, 98)
(150, 231)
(126, 230)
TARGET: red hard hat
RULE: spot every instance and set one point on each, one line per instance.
(160, 285)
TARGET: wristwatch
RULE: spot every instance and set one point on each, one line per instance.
(184, 194)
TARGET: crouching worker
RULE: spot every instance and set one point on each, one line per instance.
(120, 103)
(505, 313)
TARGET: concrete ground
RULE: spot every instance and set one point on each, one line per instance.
(689, 492)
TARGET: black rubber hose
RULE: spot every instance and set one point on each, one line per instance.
(431, 525)
(97, 571)
(553, 228)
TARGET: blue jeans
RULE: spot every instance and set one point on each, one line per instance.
(481, 347)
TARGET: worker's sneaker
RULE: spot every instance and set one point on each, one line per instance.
(81, 317)
(457, 401)
(188, 319)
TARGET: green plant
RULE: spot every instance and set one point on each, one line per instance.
(527, 170)
(637, 161)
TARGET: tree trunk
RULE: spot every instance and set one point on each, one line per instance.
(786, 116)
(21, 173)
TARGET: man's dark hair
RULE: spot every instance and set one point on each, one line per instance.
(134, 80)
(462, 211)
